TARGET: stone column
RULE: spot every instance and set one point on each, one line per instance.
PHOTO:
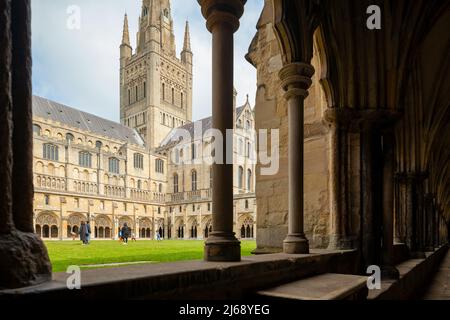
(399, 221)
(388, 260)
(370, 235)
(296, 79)
(24, 260)
(339, 229)
(410, 212)
(429, 222)
(222, 21)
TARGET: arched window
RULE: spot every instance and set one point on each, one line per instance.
(249, 180)
(36, 129)
(85, 159)
(175, 183)
(160, 188)
(138, 161)
(98, 145)
(50, 152)
(139, 184)
(194, 180)
(246, 204)
(114, 165)
(163, 91)
(173, 96)
(47, 200)
(240, 177)
(248, 125)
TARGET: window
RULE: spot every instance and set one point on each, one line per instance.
(102, 205)
(98, 145)
(246, 204)
(114, 165)
(249, 180)
(139, 184)
(248, 125)
(241, 147)
(177, 156)
(194, 180)
(193, 151)
(173, 96)
(193, 208)
(76, 202)
(129, 96)
(240, 177)
(209, 206)
(175, 183)
(145, 89)
(159, 166)
(164, 91)
(182, 100)
(138, 161)
(159, 210)
(47, 200)
(160, 188)
(249, 150)
(210, 177)
(36, 129)
(50, 152)
(85, 159)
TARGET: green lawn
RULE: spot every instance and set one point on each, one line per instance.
(65, 253)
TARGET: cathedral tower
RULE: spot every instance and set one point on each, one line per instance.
(155, 85)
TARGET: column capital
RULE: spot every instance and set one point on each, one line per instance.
(296, 79)
(222, 11)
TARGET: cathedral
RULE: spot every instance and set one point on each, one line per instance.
(89, 168)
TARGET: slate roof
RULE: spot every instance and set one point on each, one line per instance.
(77, 119)
(206, 125)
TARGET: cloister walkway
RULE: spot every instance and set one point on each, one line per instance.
(439, 288)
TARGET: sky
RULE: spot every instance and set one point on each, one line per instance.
(79, 67)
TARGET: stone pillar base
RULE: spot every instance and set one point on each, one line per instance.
(296, 244)
(340, 243)
(389, 273)
(24, 260)
(222, 247)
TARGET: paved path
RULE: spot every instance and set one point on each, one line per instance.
(439, 288)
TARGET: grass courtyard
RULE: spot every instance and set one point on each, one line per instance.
(65, 253)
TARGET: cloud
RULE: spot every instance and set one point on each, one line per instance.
(80, 68)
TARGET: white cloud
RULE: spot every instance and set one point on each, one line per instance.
(80, 68)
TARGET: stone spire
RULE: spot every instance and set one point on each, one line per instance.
(186, 54)
(126, 33)
(187, 38)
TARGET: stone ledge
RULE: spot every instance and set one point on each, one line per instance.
(328, 286)
(192, 280)
(414, 273)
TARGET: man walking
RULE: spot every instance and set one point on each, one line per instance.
(126, 232)
(83, 233)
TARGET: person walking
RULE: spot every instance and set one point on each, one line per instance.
(120, 234)
(126, 232)
(83, 233)
(88, 232)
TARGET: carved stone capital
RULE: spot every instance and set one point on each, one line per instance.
(296, 79)
(222, 11)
